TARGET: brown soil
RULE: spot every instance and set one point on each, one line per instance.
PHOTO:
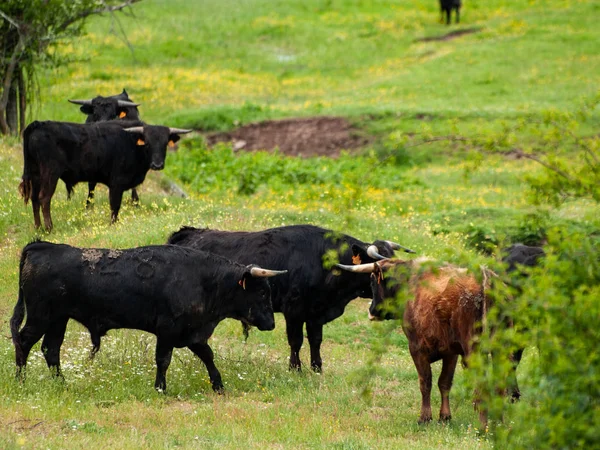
(451, 35)
(312, 136)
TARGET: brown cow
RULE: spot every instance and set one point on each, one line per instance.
(445, 312)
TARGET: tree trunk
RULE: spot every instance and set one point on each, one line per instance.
(22, 100)
(12, 107)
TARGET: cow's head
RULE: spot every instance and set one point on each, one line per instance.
(253, 302)
(154, 140)
(387, 277)
(371, 253)
(101, 109)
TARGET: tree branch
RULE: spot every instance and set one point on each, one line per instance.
(4, 129)
(82, 15)
(10, 20)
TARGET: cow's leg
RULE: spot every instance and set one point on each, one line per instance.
(457, 15)
(95, 337)
(134, 197)
(315, 337)
(293, 329)
(90, 198)
(513, 386)
(205, 353)
(164, 352)
(35, 204)
(424, 370)
(28, 336)
(115, 196)
(51, 344)
(46, 194)
(448, 14)
(445, 384)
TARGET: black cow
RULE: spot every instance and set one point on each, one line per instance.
(179, 294)
(516, 257)
(117, 154)
(310, 293)
(446, 7)
(102, 109)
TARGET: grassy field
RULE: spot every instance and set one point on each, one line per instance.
(215, 64)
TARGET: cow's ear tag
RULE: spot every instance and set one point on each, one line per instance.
(123, 114)
(141, 142)
(171, 143)
(242, 283)
(356, 259)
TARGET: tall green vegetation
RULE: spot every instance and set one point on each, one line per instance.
(555, 307)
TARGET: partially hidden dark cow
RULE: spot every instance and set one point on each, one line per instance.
(309, 293)
(116, 153)
(516, 258)
(177, 293)
(446, 7)
(445, 311)
(102, 109)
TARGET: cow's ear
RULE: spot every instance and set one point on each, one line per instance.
(377, 273)
(242, 281)
(359, 255)
(173, 138)
(87, 109)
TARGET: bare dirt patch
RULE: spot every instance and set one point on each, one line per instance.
(451, 35)
(312, 136)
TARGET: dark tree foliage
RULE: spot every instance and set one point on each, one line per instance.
(29, 29)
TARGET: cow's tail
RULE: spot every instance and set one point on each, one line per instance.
(18, 313)
(25, 188)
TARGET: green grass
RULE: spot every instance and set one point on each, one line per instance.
(216, 64)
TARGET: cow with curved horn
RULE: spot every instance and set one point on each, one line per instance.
(102, 109)
(176, 293)
(445, 310)
(312, 292)
(117, 154)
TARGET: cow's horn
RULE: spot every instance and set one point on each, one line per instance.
(373, 252)
(126, 103)
(178, 131)
(260, 272)
(399, 247)
(358, 268)
(81, 102)
(134, 129)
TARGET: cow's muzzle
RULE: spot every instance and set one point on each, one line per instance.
(155, 166)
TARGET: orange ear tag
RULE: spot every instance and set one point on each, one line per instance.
(356, 259)
(123, 114)
(171, 144)
(141, 142)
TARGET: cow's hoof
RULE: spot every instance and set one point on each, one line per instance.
(445, 418)
(219, 389)
(424, 420)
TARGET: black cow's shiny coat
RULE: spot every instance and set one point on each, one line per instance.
(177, 293)
(309, 293)
(100, 152)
